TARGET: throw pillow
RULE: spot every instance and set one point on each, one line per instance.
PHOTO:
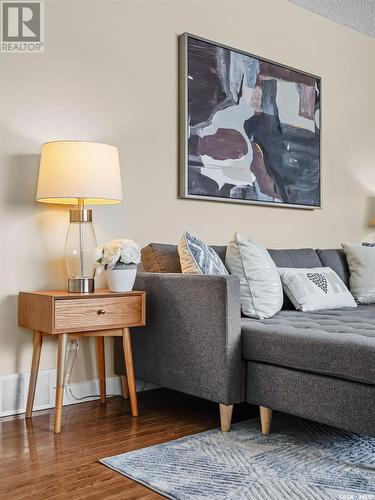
(161, 258)
(316, 288)
(261, 290)
(361, 262)
(198, 258)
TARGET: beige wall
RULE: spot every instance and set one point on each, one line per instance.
(109, 74)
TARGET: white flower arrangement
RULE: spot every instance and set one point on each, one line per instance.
(121, 250)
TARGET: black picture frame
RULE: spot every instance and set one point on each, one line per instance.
(285, 167)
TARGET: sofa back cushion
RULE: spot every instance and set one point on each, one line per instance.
(295, 257)
(221, 250)
(164, 258)
(336, 260)
(298, 257)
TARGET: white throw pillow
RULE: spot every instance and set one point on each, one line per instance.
(361, 262)
(261, 289)
(315, 289)
(198, 258)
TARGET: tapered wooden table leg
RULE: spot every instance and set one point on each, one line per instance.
(101, 367)
(128, 355)
(60, 375)
(34, 372)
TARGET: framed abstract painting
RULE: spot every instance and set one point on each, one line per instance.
(250, 128)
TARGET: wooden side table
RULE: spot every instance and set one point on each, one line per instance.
(71, 315)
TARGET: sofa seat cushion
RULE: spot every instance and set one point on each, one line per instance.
(337, 342)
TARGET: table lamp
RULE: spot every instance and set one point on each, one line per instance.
(79, 173)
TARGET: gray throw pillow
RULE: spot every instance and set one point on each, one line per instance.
(261, 290)
(361, 262)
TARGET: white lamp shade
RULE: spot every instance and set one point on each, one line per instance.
(74, 169)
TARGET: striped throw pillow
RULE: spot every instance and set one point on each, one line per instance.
(198, 258)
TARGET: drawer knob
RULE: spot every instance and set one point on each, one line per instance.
(101, 311)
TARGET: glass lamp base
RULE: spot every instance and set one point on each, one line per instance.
(81, 285)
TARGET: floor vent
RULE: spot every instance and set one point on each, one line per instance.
(13, 392)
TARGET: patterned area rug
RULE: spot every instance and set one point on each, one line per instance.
(298, 460)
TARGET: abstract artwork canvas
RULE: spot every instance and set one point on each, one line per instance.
(250, 128)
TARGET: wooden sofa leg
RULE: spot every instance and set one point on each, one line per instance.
(225, 417)
(265, 419)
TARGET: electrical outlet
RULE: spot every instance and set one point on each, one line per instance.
(73, 345)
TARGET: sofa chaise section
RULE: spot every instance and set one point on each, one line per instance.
(315, 365)
(337, 343)
(328, 400)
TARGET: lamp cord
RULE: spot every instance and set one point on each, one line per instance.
(69, 371)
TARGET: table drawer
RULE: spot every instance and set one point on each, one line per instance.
(96, 313)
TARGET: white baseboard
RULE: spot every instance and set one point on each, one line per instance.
(13, 391)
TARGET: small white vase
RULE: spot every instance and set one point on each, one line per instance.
(121, 278)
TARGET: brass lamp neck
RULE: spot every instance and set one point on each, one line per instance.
(80, 215)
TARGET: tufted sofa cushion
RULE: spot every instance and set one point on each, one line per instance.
(339, 343)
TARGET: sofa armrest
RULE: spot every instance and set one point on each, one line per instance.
(192, 340)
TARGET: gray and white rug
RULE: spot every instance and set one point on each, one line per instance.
(298, 460)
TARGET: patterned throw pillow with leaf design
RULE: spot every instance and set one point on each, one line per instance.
(315, 289)
(198, 258)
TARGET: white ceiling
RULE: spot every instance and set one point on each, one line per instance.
(357, 14)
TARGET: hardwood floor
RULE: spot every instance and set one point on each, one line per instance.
(36, 464)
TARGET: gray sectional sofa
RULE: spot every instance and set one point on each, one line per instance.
(319, 365)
